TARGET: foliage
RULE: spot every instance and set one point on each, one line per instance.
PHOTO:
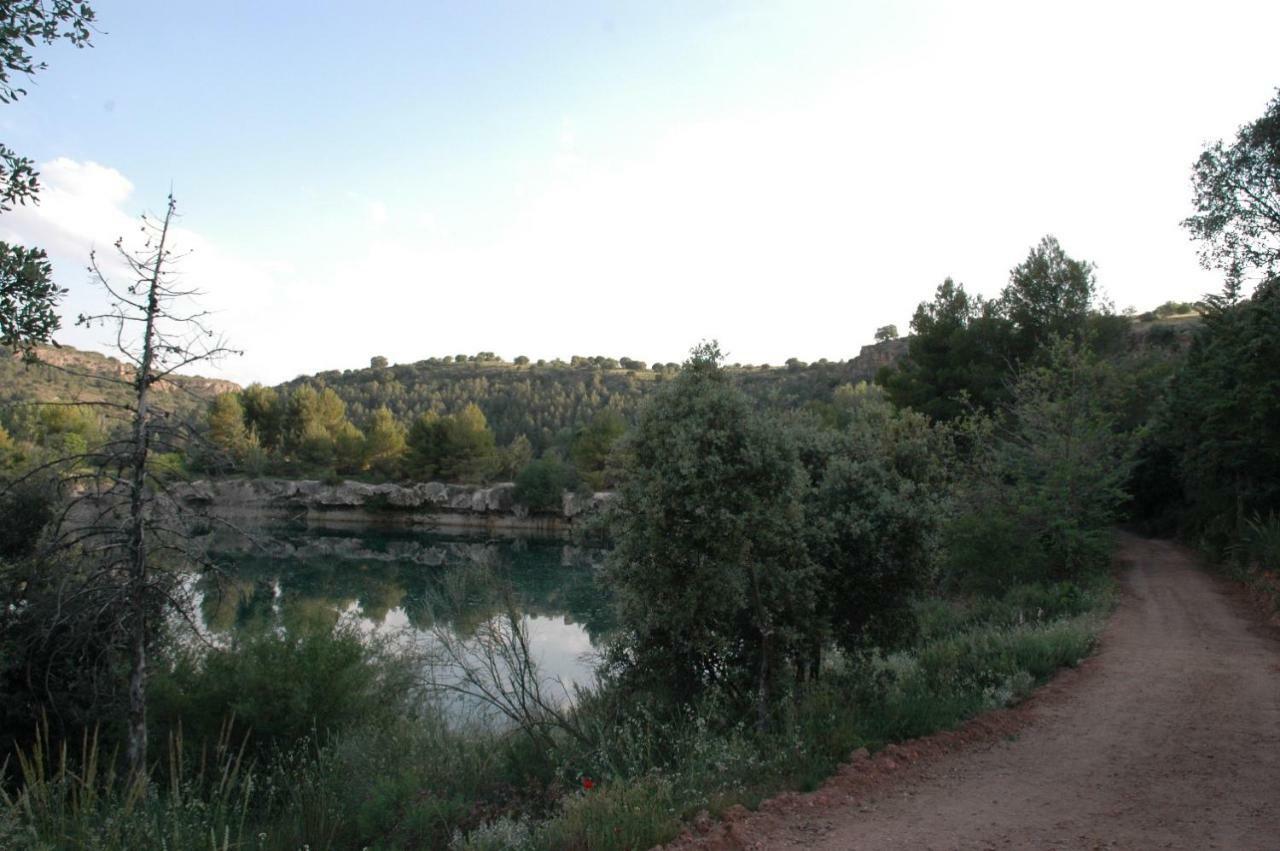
(711, 579)
(515, 457)
(1048, 297)
(384, 444)
(393, 773)
(1215, 443)
(964, 349)
(540, 486)
(886, 332)
(1171, 308)
(1046, 481)
(28, 295)
(29, 21)
(457, 448)
(264, 415)
(878, 494)
(593, 444)
(958, 356)
(230, 439)
(279, 688)
(746, 544)
(1237, 200)
(551, 401)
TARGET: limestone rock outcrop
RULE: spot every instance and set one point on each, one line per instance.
(356, 502)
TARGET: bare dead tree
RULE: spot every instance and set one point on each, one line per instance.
(122, 532)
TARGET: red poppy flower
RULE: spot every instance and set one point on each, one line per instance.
(587, 783)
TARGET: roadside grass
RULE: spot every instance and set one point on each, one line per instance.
(1251, 557)
(409, 779)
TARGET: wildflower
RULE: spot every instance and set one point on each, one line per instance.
(588, 783)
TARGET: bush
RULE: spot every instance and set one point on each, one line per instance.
(540, 486)
(280, 688)
(638, 813)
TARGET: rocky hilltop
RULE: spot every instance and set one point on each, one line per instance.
(66, 374)
(427, 504)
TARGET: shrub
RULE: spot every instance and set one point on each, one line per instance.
(540, 486)
(280, 688)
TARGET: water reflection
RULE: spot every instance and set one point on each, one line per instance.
(414, 584)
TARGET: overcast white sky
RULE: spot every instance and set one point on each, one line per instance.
(628, 179)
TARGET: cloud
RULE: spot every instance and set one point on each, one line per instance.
(784, 226)
(86, 207)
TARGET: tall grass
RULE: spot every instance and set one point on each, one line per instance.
(81, 801)
(1256, 558)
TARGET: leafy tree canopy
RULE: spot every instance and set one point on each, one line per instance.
(1237, 200)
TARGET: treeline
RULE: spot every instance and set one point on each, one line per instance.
(545, 401)
(472, 418)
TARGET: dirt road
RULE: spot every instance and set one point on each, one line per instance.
(1168, 738)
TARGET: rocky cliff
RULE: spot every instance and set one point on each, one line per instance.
(430, 504)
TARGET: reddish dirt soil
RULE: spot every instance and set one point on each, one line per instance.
(1168, 737)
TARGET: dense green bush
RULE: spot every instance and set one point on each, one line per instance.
(712, 581)
(278, 687)
(540, 486)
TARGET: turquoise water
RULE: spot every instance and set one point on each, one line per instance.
(416, 588)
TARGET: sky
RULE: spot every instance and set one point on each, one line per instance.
(416, 179)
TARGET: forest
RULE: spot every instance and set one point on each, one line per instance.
(802, 560)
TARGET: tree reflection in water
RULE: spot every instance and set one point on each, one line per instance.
(387, 582)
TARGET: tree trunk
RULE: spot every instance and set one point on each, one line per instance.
(136, 750)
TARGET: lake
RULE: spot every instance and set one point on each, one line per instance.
(420, 588)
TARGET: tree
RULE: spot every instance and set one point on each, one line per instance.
(1220, 425)
(424, 443)
(540, 486)
(227, 431)
(886, 332)
(1237, 202)
(1049, 294)
(264, 415)
(711, 577)
(468, 452)
(377, 362)
(384, 443)
(1047, 480)
(957, 356)
(964, 348)
(318, 432)
(28, 295)
(516, 456)
(593, 444)
(348, 448)
(878, 489)
(106, 555)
